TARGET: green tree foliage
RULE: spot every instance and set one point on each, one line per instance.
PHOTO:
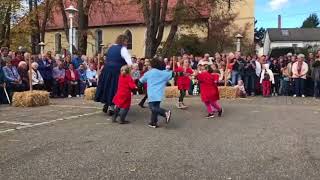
(311, 22)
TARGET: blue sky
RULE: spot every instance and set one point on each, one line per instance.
(293, 12)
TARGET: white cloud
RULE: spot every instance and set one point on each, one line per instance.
(277, 4)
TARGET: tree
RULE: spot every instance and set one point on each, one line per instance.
(258, 34)
(156, 12)
(311, 22)
(8, 15)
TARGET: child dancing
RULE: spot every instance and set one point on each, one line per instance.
(183, 81)
(156, 80)
(122, 99)
(209, 90)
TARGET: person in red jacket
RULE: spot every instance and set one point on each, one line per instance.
(72, 77)
(122, 99)
(183, 81)
(209, 90)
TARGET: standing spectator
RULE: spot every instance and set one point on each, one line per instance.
(250, 76)
(266, 80)
(72, 77)
(12, 77)
(45, 68)
(135, 73)
(299, 74)
(67, 62)
(76, 61)
(237, 69)
(292, 60)
(276, 70)
(83, 79)
(4, 56)
(316, 76)
(91, 76)
(285, 80)
(37, 80)
(59, 75)
(206, 60)
(23, 72)
(18, 58)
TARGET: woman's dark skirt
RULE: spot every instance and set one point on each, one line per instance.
(108, 85)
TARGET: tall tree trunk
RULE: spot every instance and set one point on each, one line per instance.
(5, 28)
(64, 18)
(47, 11)
(83, 26)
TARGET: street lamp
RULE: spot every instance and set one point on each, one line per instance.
(71, 10)
(41, 44)
(239, 37)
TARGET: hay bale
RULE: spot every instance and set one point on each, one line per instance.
(30, 98)
(228, 92)
(90, 93)
(172, 92)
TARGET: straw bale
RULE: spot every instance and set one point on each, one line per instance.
(30, 98)
(172, 92)
(228, 92)
(90, 93)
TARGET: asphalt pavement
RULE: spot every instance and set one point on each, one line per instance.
(256, 138)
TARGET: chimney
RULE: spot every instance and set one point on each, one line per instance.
(279, 21)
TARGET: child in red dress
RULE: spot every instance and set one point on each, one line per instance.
(122, 99)
(183, 81)
(209, 90)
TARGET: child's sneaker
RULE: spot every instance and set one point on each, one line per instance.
(168, 116)
(211, 115)
(179, 105)
(184, 106)
(152, 125)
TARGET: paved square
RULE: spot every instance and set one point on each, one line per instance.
(257, 138)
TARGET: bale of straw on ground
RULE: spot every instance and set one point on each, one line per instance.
(172, 92)
(90, 93)
(30, 98)
(228, 92)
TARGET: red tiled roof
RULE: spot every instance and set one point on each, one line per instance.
(103, 14)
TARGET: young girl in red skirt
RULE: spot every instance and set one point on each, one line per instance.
(122, 99)
(183, 81)
(209, 90)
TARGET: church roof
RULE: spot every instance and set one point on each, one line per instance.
(106, 14)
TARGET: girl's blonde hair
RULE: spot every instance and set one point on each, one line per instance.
(125, 70)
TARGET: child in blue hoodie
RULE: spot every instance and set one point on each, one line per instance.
(156, 80)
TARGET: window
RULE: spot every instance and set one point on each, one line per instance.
(285, 32)
(98, 40)
(129, 34)
(58, 43)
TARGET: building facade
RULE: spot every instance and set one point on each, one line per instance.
(104, 30)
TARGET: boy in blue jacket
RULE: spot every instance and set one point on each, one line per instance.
(156, 80)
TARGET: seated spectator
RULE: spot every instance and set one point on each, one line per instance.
(4, 56)
(83, 79)
(91, 76)
(72, 77)
(37, 80)
(23, 72)
(59, 74)
(241, 92)
(3, 97)
(12, 77)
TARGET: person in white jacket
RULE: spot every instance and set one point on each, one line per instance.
(37, 80)
(266, 79)
(299, 75)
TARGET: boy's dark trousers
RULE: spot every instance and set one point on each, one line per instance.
(156, 110)
(143, 100)
(120, 112)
